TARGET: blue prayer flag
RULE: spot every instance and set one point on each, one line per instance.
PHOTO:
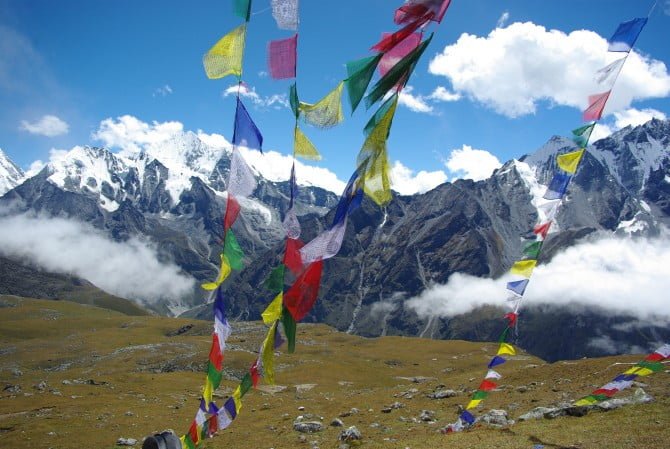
(496, 360)
(557, 186)
(518, 287)
(246, 133)
(467, 417)
(219, 307)
(626, 34)
(349, 200)
(230, 408)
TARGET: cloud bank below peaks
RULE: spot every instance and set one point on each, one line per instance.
(626, 276)
(128, 269)
(514, 68)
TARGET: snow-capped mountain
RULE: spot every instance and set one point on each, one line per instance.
(10, 174)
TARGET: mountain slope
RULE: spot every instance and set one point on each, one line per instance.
(10, 174)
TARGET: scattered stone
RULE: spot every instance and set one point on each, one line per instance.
(417, 379)
(336, 423)
(427, 416)
(396, 405)
(350, 435)
(17, 372)
(308, 426)
(409, 394)
(522, 389)
(386, 410)
(42, 386)
(536, 413)
(129, 413)
(375, 425)
(181, 330)
(639, 397)
(513, 406)
(126, 442)
(442, 394)
(576, 411)
(498, 418)
(301, 408)
(9, 388)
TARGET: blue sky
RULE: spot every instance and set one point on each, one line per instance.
(521, 76)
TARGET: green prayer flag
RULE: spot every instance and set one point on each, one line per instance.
(232, 250)
(275, 282)
(532, 250)
(503, 336)
(381, 112)
(289, 329)
(582, 134)
(242, 8)
(360, 73)
(599, 397)
(479, 395)
(653, 366)
(246, 384)
(189, 442)
(293, 100)
(399, 73)
(214, 376)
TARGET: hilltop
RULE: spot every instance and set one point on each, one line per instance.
(78, 376)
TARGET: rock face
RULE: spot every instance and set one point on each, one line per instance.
(176, 198)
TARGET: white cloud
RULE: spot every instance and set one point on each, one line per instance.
(132, 135)
(443, 94)
(128, 269)
(628, 117)
(608, 273)
(35, 168)
(413, 102)
(276, 101)
(502, 20)
(406, 182)
(48, 125)
(470, 163)
(514, 68)
(162, 91)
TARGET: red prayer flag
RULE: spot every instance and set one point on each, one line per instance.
(213, 425)
(282, 57)
(193, 432)
(215, 355)
(417, 8)
(390, 40)
(300, 298)
(292, 257)
(398, 52)
(542, 229)
(655, 357)
(511, 318)
(608, 393)
(596, 105)
(487, 385)
(232, 211)
(255, 375)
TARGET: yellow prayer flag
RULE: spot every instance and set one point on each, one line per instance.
(640, 371)
(225, 57)
(473, 403)
(183, 441)
(273, 311)
(506, 348)
(237, 398)
(523, 267)
(224, 272)
(268, 355)
(327, 112)
(376, 180)
(303, 147)
(569, 161)
(585, 401)
(207, 393)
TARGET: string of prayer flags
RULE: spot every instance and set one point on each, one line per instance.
(398, 74)
(390, 40)
(225, 57)
(241, 180)
(557, 186)
(626, 34)
(413, 9)
(582, 135)
(568, 162)
(596, 105)
(246, 133)
(651, 364)
(285, 13)
(303, 147)
(399, 51)
(327, 112)
(301, 296)
(606, 72)
(282, 55)
(242, 8)
(359, 75)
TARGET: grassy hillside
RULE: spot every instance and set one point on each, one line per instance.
(107, 375)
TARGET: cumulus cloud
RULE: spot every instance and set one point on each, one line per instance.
(622, 275)
(502, 20)
(132, 135)
(441, 93)
(48, 125)
(162, 91)
(128, 269)
(415, 103)
(276, 101)
(406, 182)
(470, 163)
(514, 68)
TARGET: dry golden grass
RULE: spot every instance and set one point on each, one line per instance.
(56, 341)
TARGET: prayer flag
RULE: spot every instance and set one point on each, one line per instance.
(557, 186)
(293, 100)
(289, 325)
(224, 271)
(242, 8)
(588, 400)
(273, 312)
(472, 404)
(532, 250)
(324, 246)
(416, 8)
(518, 287)
(246, 133)
(582, 134)
(399, 51)
(231, 406)
(292, 258)
(301, 296)
(380, 113)
(349, 200)
(467, 417)
(241, 180)
(233, 252)
(267, 355)
(664, 351)
(327, 112)
(225, 57)
(285, 13)
(626, 34)
(495, 361)
(491, 374)
(523, 267)
(542, 229)
(291, 224)
(232, 211)
(359, 74)
(549, 209)
(390, 41)
(275, 282)
(487, 385)
(506, 349)
(303, 147)
(597, 103)
(568, 162)
(607, 71)
(511, 319)
(282, 57)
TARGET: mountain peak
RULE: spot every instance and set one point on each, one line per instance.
(10, 174)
